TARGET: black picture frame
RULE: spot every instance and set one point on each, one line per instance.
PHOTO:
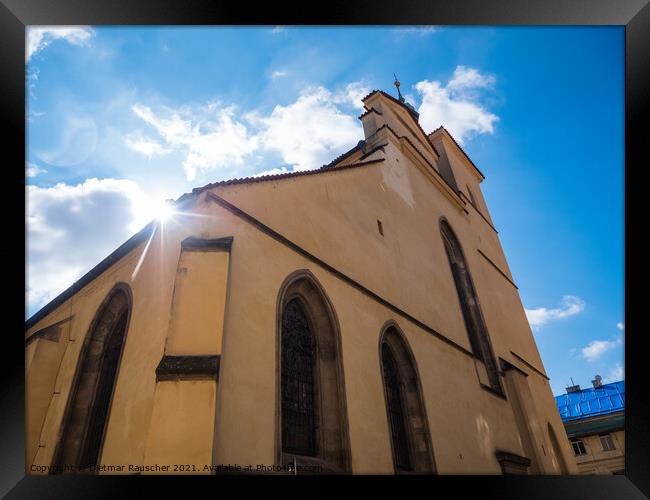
(633, 14)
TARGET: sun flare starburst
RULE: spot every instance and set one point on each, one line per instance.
(164, 212)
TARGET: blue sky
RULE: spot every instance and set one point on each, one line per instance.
(121, 118)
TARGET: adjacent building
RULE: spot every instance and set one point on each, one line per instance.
(356, 318)
(594, 420)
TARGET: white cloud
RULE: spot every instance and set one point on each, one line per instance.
(210, 137)
(278, 74)
(278, 29)
(309, 132)
(468, 78)
(147, 147)
(352, 94)
(416, 30)
(596, 348)
(306, 133)
(410, 99)
(273, 171)
(570, 306)
(64, 238)
(456, 105)
(620, 326)
(34, 170)
(34, 114)
(40, 37)
(30, 81)
(616, 374)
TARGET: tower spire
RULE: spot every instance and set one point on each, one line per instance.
(397, 84)
(411, 109)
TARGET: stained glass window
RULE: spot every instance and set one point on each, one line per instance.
(396, 411)
(298, 419)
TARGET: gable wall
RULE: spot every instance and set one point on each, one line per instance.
(334, 216)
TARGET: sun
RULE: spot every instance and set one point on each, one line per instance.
(164, 211)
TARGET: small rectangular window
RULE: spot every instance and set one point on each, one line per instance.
(380, 227)
(607, 442)
(578, 447)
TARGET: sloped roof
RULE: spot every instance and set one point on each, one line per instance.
(343, 156)
(145, 232)
(272, 177)
(587, 403)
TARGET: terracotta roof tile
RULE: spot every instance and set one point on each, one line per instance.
(273, 177)
(342, 157)
(368, 111)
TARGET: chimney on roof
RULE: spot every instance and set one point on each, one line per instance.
(573, 388)
(597, 382)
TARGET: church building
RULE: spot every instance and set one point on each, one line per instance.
(359, 318)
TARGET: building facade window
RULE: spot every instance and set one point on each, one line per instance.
(298, 420)
(469, 303)
(312, 415)
(578, 447)
(86, 417)
(407, 421)
(607, 442)
(396, 417)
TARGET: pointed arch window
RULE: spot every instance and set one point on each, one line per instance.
(407, 421)
(86, 417)
(312, 415)
(298, 420)
(396, 416)
(471, 309)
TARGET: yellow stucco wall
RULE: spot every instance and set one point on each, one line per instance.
(181, 428)
(597, 461)
(196, 325)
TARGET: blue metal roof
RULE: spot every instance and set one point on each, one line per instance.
(609, 398)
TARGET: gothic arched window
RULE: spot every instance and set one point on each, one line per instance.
(407, 421)
(298, 420)
(471, 309)
(84, 424)
(312, 415)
